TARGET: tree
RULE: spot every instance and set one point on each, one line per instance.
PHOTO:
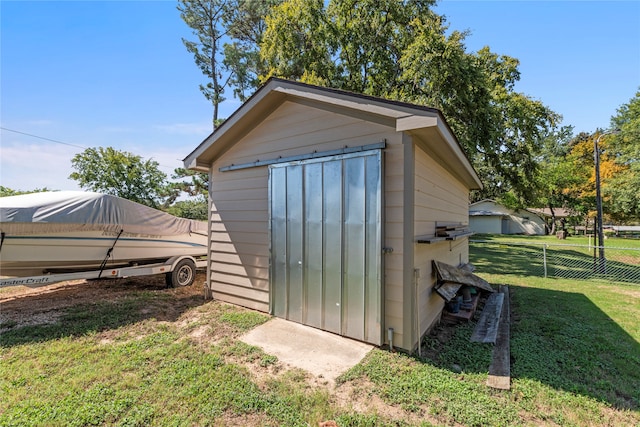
(196, 186)
(228, 33)
(121, 174)
(303, 50)
(615, 176)
(192, 209)
(245, 26)
(559, 175)
(401, 51)
(206, 19)
(6, 191)
(620, 186)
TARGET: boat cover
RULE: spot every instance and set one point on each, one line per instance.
(65, 211)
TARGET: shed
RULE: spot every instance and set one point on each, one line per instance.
(318, 198)
(489, 216)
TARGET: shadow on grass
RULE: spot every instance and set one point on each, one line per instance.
(560, 339)
(564, 340)
(571, 263)
(495, 258)
(91, 308)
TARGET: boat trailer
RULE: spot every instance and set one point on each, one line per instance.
(179, 271)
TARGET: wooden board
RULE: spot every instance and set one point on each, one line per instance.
(486, 330)
(451, 274)
(448, 290)
(500, 368)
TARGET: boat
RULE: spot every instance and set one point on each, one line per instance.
(72, 231)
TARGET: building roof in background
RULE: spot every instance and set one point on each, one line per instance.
(559, 212)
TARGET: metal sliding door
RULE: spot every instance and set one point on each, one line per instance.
(326, 242)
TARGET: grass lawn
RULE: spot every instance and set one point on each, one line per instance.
(138, 355)
(571, 258)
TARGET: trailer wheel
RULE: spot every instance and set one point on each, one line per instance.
(183, 275)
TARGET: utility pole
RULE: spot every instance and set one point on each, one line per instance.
(596, 159)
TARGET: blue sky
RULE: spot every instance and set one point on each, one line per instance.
(115, 73)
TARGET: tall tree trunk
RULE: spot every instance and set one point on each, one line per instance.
(553, 221)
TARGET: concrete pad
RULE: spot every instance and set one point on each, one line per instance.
(321, 353)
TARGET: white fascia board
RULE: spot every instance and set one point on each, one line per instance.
(415, 122)
(193, 164)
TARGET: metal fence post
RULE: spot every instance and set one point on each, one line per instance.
(544, 259)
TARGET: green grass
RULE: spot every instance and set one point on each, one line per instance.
(571, 240)
(572, 258)
(139, 360)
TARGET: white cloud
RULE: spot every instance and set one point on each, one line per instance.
(27, 166)
(30, 166)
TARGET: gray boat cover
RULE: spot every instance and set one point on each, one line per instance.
(65, 211)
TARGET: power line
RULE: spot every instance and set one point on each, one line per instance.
(64, 143)
(42, 137)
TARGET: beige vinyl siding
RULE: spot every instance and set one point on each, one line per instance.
(442, 199)
(239, 265)
(394, 239)
(239, 259)
(294, 129)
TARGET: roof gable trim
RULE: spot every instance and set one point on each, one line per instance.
(415, 122)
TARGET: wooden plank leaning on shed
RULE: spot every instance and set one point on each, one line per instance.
(451, 279)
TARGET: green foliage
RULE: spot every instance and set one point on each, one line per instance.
(196, 186)
(559, 176)
(228, 34)
(401, 51)
(206, 18)
(245, 26)
(192, 209)
(6, 191)
(621, 190)
(119, 173)
(300, 27)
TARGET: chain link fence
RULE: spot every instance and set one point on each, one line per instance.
(557, 260)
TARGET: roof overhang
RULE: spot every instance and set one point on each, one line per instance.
(426, 125)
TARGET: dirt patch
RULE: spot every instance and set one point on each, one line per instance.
(186, 310)
(22, 306)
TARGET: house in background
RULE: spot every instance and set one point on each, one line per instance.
(490, 217)
(324, 206)
(561, 216)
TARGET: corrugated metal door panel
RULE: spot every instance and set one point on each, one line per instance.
(326, 236)
(373, 250)
(278, 214)
(332, 246)
(295, 237)
(313, 253)
(354, 249)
